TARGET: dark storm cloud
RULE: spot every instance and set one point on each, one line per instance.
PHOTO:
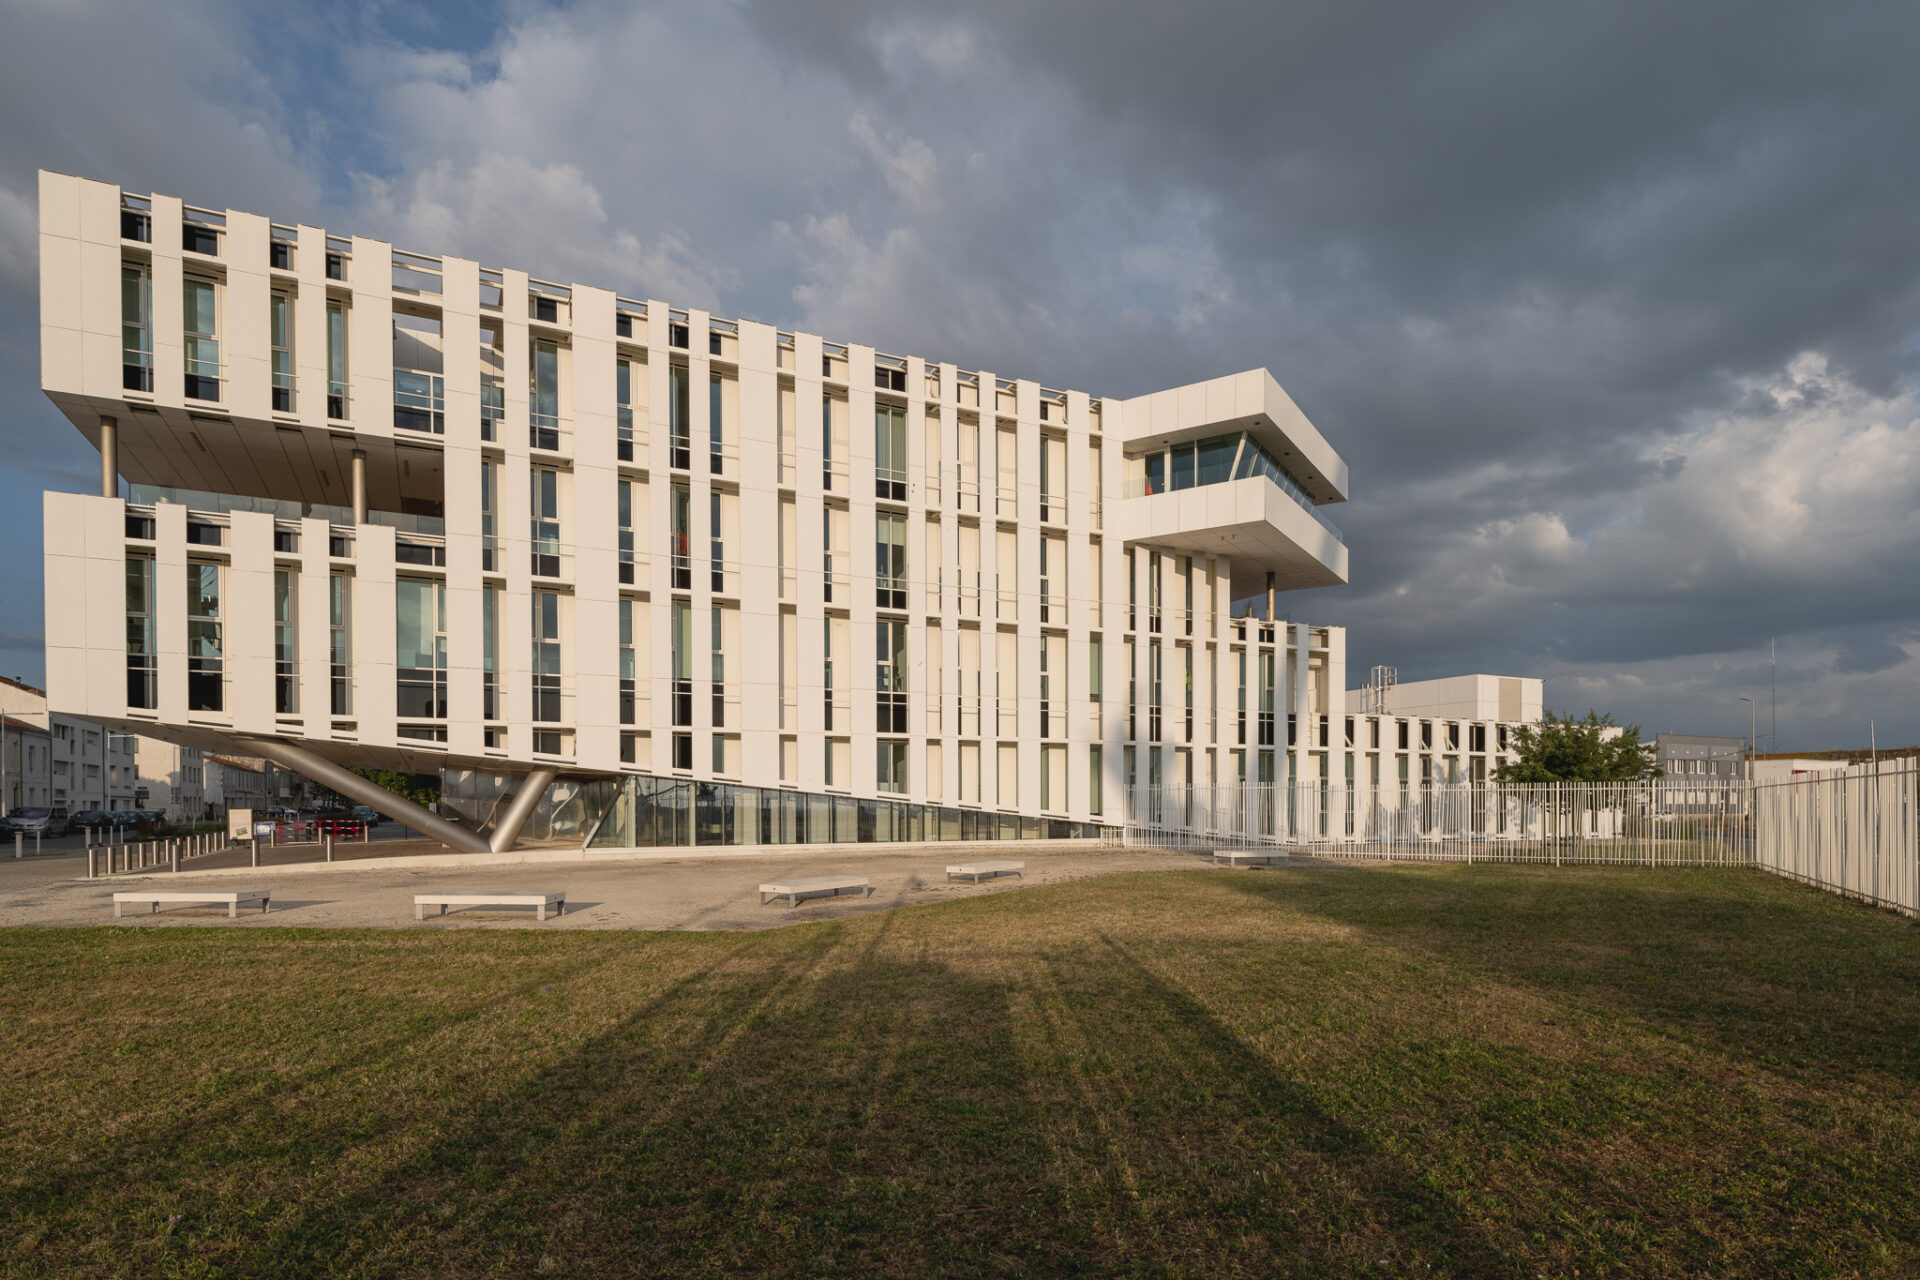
(1609, 307)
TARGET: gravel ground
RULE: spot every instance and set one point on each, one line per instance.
(708, 893)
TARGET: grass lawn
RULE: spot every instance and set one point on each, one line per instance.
(1431, 1071)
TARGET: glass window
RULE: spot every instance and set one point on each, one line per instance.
(682, 641)
(280, 325)
(681, 536)
(340, 640)
(623, 399)
(545, 530)
(336, 359)
(142, 683)
(891, 771)
(136, 327)
(490, 652)
(890, 452)
(285, 641)
(205, 641)
(420, 647)
(543, 408)
(1215, 461)
(1156, 473)
(890, 561)
(679, 413)
(1182, 466)
(546, 657)
(201, 330)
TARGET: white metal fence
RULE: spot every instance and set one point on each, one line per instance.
(1853, 831)
(1664, 822)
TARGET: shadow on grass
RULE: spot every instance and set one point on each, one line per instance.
(1747, 964)
(841, 1101)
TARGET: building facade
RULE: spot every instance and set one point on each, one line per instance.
(721, 581)
(1699, 755)
(90, 767)
(26, 764)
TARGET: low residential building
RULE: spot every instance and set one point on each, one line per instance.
(172, 779)
(91, 767)
(1699, 755)
(240, 782)
(26, 764)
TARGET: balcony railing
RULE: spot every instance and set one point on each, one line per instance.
(1141, 487)
(546, 431)
(136, 370)
(204, 371)
(630, 435)
(835, 585)
(493, 407)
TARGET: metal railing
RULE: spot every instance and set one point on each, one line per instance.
(1663, 822)
(1852, 831)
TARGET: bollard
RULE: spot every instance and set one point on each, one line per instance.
(36, 844)
(328, 839)
(254, 857)
(273, 836)
(89, 860)
(176, 858)
(19, 842)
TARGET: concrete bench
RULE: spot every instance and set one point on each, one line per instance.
(234, 899)
(978, 869)
(1250, 857)
(538, 901)
(832, 886)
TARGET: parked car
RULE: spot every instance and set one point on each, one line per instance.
(368, 814)
(92, 819)
(38, 820)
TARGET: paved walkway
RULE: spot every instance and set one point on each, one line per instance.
(694, 892)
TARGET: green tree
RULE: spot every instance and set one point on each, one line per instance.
(421, 788)
(1566, 749)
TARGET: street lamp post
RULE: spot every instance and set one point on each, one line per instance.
(1753, 723)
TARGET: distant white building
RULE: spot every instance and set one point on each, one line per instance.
(1508, 699)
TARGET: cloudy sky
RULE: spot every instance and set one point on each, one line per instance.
(1612, 308)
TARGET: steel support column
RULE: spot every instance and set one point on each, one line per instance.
(355, 787)
(532, 787)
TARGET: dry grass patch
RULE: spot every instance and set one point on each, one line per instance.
(1477, 1071)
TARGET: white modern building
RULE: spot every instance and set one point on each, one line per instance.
(660, 576)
